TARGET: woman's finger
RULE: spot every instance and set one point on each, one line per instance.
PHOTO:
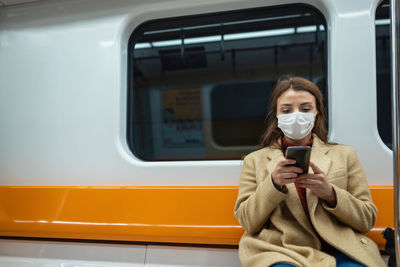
(309, 176)
(288, 175)
(289, 180)
(286, 162)
(291, 169)
(315, 168)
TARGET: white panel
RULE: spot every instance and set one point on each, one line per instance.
(353, 108)
(21, 253)
(186, 256)
(15, 2)
(40, 251)
(63, 94)
(33, 262)
(63, 76)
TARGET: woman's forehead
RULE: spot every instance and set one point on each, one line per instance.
(296, 96)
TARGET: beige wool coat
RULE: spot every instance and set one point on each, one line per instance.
(276, 227)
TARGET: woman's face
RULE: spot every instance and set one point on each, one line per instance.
(292, 101)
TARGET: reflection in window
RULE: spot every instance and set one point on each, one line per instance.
(383, 79)
(199, 86)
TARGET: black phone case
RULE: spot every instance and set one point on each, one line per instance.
(301, 154)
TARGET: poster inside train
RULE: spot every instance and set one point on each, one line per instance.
(182, 118)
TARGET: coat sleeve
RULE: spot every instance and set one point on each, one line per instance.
(354, 206)
(255, 203)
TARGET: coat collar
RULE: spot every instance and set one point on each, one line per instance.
(319, 157)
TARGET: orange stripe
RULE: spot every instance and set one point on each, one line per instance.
(384, 200)
(198, 214)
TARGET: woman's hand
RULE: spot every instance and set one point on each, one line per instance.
(318, 184)
(284, 174)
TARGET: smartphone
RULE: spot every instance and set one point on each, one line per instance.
(301, 154)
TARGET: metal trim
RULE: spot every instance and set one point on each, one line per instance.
(395, 30)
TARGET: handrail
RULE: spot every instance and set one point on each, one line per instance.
(395, 30)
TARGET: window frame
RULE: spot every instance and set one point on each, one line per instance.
(133, 39)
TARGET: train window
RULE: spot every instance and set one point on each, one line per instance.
(383, 79)
(199, 86)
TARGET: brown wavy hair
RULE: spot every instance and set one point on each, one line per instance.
(273, 134)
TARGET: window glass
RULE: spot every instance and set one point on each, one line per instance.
(199, 86)
(383, 78)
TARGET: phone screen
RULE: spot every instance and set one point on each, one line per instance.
(301, 154)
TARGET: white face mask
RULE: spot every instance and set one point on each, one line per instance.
(296, 125)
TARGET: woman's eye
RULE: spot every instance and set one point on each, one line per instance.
(286, 111)
(306, 109)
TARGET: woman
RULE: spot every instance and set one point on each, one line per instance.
(313, 219)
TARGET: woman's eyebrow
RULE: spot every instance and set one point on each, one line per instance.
(286, 105)
(306, 103)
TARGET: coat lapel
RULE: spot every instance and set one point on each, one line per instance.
(319, 158)
(273, 157)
